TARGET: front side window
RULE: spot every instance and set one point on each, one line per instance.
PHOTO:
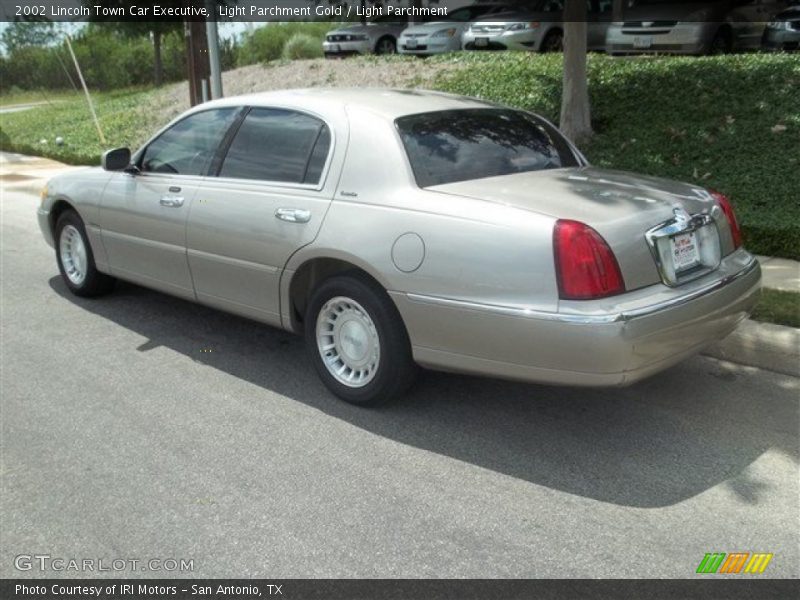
(187, 147)
(278, 145)
(461, 145)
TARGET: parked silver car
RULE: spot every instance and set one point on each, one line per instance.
(537, 28)
(403, 228)
(702, 27)
(378, 36)
(440, 36)
(783, 32)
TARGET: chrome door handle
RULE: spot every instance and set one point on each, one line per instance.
(171, 201)
(293, 215)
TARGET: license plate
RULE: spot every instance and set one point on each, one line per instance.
(411, 43)
(481, 42)
(685, 253)
(336, 48)
(643, 41)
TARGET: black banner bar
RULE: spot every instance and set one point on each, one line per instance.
(398, 589)
(343, 10)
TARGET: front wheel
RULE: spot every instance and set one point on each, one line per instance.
(386, 45)
(553, 42)
(357, 341)
(75, 258)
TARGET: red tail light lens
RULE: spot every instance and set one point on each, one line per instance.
(727, 208)
(585, 266)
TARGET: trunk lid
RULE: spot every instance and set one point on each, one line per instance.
(621, 206)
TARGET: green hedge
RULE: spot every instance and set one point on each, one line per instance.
(302, 46)
(731, 123)
(267, 43)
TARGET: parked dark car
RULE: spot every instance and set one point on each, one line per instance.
(783, 32)
(702, 27)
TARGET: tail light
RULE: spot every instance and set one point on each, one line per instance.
(586, 267)
(727, 208)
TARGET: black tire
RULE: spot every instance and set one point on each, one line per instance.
(386, 45)
(553, 42)
(396, 370)
(93, 283)
(721, 43)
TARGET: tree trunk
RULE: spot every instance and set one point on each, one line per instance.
(159, 68)
(575, 120)
(616, 11)
(414, 4)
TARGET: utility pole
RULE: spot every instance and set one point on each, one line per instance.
(213, 50)
(196, 59)
(616, 10)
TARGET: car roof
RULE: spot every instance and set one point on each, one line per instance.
(389, 103)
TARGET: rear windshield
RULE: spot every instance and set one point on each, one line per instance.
(460, 145)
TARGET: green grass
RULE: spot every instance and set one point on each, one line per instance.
(122, 116)
(779, 307)
(731, 123)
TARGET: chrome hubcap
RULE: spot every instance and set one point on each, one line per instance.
(348, 342)
(73, 254)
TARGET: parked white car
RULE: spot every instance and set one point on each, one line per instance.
(536, 28)
(438, 37)
(697, 27)
(378, 36)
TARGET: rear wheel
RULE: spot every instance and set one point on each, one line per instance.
(553, 42)
(386, 45)
(75, 258)
(357, 341)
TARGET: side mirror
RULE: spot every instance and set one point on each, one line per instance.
(117, 159)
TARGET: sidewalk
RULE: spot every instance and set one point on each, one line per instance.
(28, 173)
(780, 273)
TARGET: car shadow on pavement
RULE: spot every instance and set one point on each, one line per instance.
(655, 444)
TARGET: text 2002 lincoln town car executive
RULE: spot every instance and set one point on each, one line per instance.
(397, 228)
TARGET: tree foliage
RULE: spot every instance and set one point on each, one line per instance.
(25, 33)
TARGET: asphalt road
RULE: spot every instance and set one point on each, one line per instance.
(141, 426)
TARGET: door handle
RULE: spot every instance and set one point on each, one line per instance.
(293, 215)
(171, 201)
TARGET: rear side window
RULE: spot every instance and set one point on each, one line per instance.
(278, 145)
(460, 145)
(187, 147)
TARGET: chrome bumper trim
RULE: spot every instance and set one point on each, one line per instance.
(622, 316)
(510, 311)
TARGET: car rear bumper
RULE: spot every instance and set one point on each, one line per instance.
(682, 38)
(346, 48)
(781, 40)
(602, 344)
(428, 46)
(516, 40)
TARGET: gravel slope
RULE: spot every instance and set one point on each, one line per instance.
(353, 72)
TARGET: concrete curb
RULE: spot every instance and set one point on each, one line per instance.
(763, 345)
